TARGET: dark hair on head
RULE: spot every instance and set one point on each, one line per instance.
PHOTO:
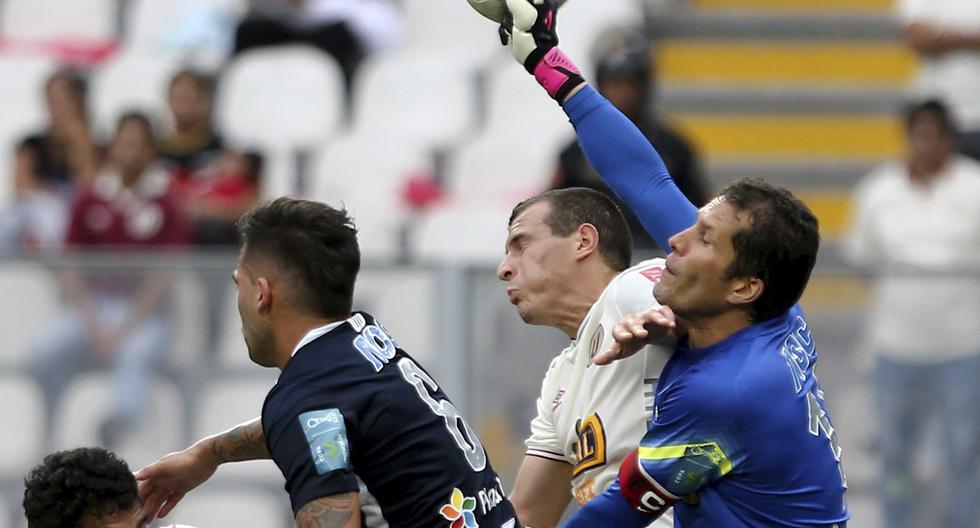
(779, 246)
(75, 78)
(144, 121)
(574, 206)
(203, 81)
(935, 109)
(67, 485)
(313, 245)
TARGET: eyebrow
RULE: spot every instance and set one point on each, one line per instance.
(514, 239)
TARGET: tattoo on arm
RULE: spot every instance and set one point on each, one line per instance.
(245, 442)
(335, 511)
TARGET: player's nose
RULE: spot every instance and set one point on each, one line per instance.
(504, 270)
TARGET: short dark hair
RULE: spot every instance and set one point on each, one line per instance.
(779, 246)
(143, 120)
(574, 206)
(68, 485)
(75, 78)
(311, 243)
(935, 109)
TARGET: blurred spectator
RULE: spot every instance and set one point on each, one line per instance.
(916, 230)
(193, 145)
(624, 76)
(69, 157)
(35, 219)
(349, 30)
(946, 35)
(87, 487)
(117, 316)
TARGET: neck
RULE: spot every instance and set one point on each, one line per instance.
(704, 331)
(292, 330)
(575, 305)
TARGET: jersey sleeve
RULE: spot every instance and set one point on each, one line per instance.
(632, 168)
(313, 449)
(692, 442)
(544, 441)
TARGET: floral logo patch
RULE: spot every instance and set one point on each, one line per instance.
(460, 511)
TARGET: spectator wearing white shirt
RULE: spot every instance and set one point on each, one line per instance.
(916, 230)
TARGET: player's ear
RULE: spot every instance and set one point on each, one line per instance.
(745, 290)
(263, 294)
(587, 238)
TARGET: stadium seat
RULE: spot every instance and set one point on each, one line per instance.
(20, 445)
(477, 234)
(87, 402)
(216, 506)
(130, 81)
(445, 25)
(228, 401)
(366, 175)
(37, 304)
(56, 20)
(288, 97)
(425, 96)
(516, 154)
(404, 299)
(199, 31)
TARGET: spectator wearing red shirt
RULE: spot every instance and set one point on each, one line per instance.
(117, 317)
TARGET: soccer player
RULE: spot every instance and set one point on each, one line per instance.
(349, 406)
(87, 487)
(567, 254)
(741, 436)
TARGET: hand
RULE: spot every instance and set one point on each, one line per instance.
(164, 483)
(534, 43)
(638, 331)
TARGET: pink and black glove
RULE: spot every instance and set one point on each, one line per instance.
(534, 43)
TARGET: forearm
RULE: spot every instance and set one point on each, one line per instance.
(238, 444)
(623, 157)
(930, 40)
(541, 491)
(150, 295)
(335, 511)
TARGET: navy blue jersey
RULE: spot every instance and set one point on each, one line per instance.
(351, 404)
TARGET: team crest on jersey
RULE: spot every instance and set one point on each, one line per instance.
(591, 446)
(459, 511)
(653, 274)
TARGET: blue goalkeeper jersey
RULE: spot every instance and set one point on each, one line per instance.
(741, 432)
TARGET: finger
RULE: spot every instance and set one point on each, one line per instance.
(609, 355)
(170, 505)
(524, 14)
(622, 333)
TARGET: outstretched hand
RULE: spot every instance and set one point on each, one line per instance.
(164, 483)
(531, 30)
(637, 331)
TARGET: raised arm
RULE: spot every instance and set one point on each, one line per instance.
(165, 482)
(615, 147)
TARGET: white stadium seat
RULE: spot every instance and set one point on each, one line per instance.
(462, 234)
(200, 31)
(516, 154)
(45, 20)
(130, 81)
(20, 445)
(37, 302)
(432, 25)
(365, 174)
(286, 97)
(212, 506)
(87, 403)
(428, 97)
(226, 402)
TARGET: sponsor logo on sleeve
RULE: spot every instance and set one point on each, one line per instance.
(326, 435)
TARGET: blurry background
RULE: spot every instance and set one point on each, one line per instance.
(411, 114)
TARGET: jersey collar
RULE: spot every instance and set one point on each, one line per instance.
(315, 333)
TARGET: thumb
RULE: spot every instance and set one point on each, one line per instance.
(524, 14)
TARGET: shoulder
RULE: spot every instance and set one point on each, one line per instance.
(887, 177)
(967, 169)
(632, 290)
